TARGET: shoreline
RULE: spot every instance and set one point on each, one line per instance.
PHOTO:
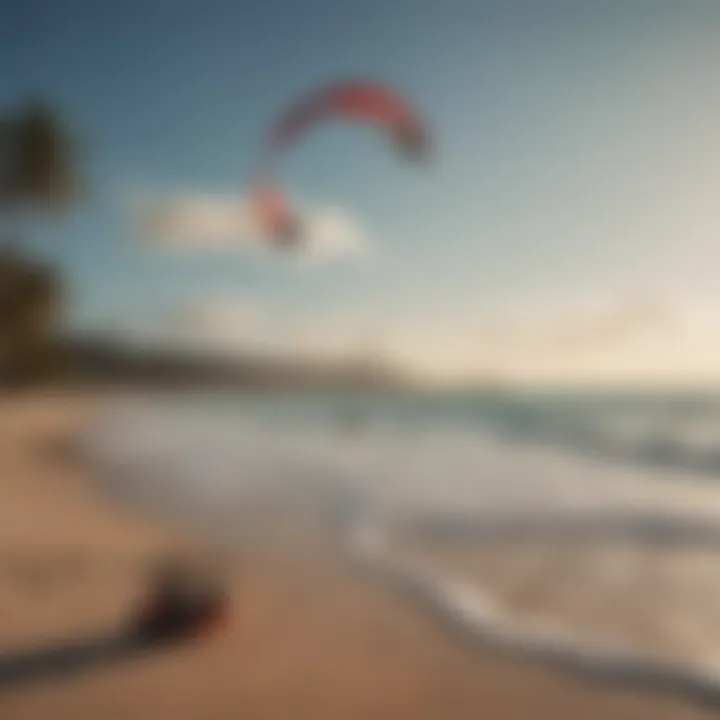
(521, 600)
(313, 637)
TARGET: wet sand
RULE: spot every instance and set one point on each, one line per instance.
(312, 635)
(659, 601)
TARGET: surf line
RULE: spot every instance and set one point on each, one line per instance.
(467, 612)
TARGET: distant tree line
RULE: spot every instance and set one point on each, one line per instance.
(101, 360)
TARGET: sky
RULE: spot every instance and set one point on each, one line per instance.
(575, 179)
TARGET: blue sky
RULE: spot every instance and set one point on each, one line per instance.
(578, 148)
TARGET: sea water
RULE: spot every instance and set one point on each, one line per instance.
(488, 466)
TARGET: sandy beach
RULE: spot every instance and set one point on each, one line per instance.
(312, 636)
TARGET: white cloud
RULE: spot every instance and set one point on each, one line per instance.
(219, 322)
(636, 337)
(233, 323)
(216, 222)
(219, 315)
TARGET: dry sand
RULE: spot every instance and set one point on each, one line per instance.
(312, 637)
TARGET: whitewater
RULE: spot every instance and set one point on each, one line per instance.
(622, 472)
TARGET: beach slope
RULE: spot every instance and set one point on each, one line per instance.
(311, 636)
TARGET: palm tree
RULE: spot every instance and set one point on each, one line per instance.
(37, 168)
(37, 173)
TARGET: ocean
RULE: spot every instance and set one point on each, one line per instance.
(513, 479)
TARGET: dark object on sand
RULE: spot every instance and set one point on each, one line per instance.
(181, 605)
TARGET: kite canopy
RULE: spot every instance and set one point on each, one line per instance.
(359, 101)
(352, 101)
